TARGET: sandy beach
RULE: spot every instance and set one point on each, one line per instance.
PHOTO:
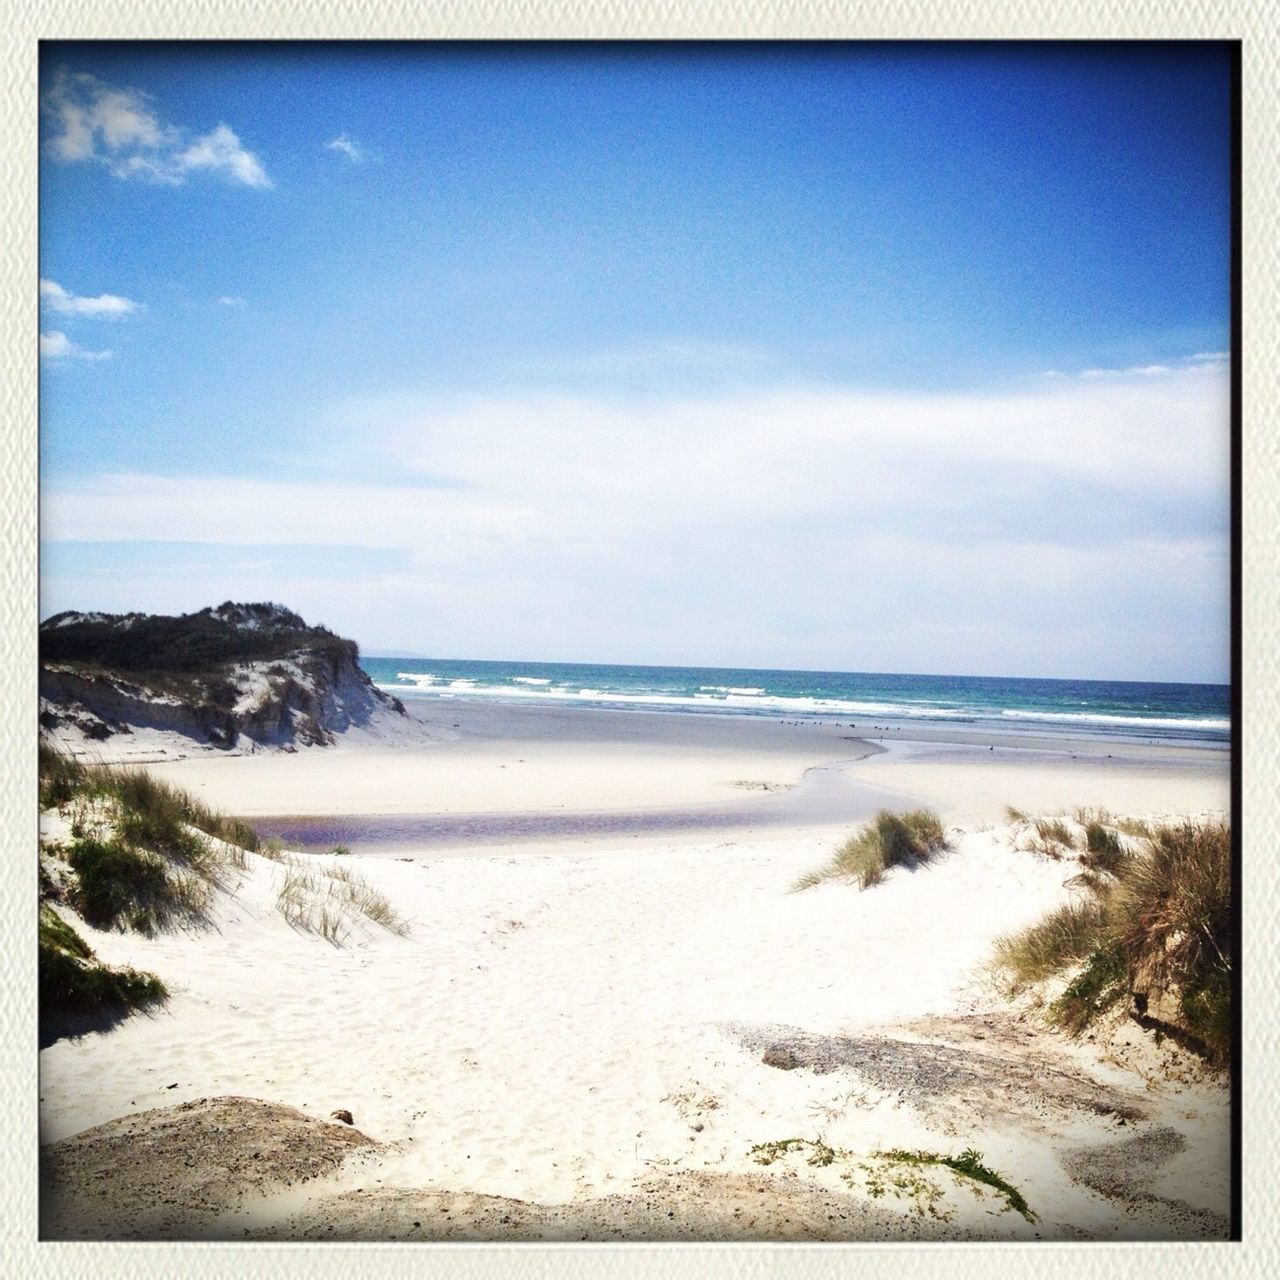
(608, 1033)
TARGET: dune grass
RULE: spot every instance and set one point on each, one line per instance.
(1063, 937)
(329, 899)
(1154, 931)
(1053, 838)
(1103, 849)
(889, 840)
(145, 855)
(72, 981)
(154, 813)
(119, 885)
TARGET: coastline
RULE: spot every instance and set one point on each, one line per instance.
(493, 757)
(595, 1021)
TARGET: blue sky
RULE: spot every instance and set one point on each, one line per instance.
(847, 356)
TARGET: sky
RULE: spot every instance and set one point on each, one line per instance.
(843, 357)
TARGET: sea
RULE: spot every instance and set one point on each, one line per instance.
(1107, 709)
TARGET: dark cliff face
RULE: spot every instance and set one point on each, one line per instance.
(253, 671)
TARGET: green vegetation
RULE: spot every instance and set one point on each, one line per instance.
(327, 899)
(820, 1154)
(887, 841)
(898, 1173)
(1104, 851)
(148, 811)
(71, 981)
(968, 1164)
(1062, 938)
(120, 885)
(61, 777)
(1154, 930)
(1053, 838)
(193, 642)
(141, 851)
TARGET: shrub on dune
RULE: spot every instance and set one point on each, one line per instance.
(1154, 931)
(72, 981)
(1063, 937)
(889, 840)
(144, 855)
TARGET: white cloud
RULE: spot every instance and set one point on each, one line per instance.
(823, 527)
(55, 345)
(1137, 371)
(230, 300)
(348, 147)
(221, 152)
(117, 128)
(1202, 359)
(56, 298)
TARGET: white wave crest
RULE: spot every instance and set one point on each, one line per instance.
(1082, 717)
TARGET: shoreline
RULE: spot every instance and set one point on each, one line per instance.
(560, 1043)
(496, 774)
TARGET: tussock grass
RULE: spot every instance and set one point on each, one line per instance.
(121, 886)
(1052, 839)
(145, 855)
(1155, 932)
(72, 981)
(1103, 849)
(153, 813)
(889, 840)
(61, 777)
(1135, 827)
(1063, 937)
(329, 900)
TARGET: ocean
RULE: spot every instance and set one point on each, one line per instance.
(1108, 709)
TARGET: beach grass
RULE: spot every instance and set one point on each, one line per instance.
(1153, 933)
(1053, 839)
(327, 899)
(144, 855)
(155, 813)
(1063, 937)
(72, 981)
(889, 840)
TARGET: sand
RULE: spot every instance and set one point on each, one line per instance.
(602, 1040)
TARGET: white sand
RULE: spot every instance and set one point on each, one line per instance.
(972, 784)
(566, 1025)
(563, 1026)
(508, 777)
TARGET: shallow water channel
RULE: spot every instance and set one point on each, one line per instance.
(825, 795)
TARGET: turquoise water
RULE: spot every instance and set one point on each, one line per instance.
(1094, 708)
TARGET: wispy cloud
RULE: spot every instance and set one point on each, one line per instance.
(801, 526)
(230, 300)
(1073, 463)
(346, 145)
(1201, 359)
(94, 121)
(56, 298)
(55, 345)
